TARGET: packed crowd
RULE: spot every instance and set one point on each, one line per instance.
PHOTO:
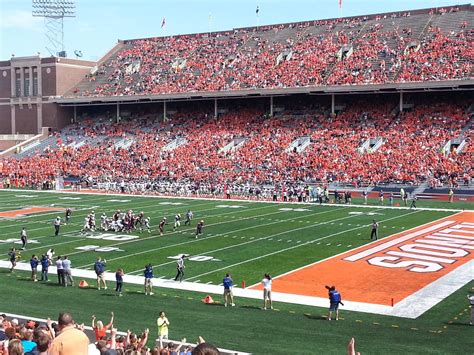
(264, 157)
(66, 337)
(348, 51)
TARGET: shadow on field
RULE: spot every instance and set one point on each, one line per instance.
(315, 317)
(251, 307)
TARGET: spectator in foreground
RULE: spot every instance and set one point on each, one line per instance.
(15, 347)
(70, 340)
(163, 324)
(99, 329)
(351, 350)
(205, 349)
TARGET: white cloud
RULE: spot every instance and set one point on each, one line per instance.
(20, 19)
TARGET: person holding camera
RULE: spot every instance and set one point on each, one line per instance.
(335, 300)
(99, 268)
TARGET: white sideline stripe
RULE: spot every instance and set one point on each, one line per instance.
(344, 252)
(411, 307)
(396, 241)
(314, 203)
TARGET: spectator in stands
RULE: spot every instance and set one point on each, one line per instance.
(99, 329)
(163, 324)
(27, 339)
(15, 347)
(70, 340)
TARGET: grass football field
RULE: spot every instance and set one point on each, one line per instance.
(245, 238)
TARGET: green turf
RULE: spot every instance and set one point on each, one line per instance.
(247, 241)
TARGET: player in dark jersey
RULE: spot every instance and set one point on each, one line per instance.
(139, 221)
(189, 217)
(375, 230)
(162, 225)
(68, 215)
(199, 228)
(13, 258)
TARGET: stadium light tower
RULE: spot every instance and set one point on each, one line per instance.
(54, 12)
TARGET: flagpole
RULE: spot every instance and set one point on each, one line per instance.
(209, 19)
(257, 12)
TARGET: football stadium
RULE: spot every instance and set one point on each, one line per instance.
(290, 188)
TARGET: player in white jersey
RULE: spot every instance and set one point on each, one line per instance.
(103, 222)
(146, 223)
(87, 226)
(177, 221)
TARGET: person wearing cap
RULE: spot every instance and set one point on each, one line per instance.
(199, 228)
(57, 225)
(162, 225)
(180, 268)
(228, 295)
(23, 238)
(34, 267)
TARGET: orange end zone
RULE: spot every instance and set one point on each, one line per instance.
(392, 268)
(28, 211)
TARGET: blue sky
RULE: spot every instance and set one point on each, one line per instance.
(99, 23)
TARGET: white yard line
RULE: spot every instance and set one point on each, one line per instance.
(295, 246)
(201, 239)
(255, 240)
(152, 213)
(411, 307)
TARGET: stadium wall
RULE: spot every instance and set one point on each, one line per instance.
(27, 87)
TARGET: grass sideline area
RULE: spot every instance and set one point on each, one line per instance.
(292, 329)
(246, 238)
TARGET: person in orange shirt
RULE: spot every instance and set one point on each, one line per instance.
(99, 329)
(70, 340)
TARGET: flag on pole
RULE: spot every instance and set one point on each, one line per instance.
(257, 10)
(340, 4)
(163, 22)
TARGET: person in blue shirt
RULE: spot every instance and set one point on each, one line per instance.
(148, 273)
(119, 281)
(34, 267)
(99, 268)
(228, 295)
(44, 268)
(334, 301)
